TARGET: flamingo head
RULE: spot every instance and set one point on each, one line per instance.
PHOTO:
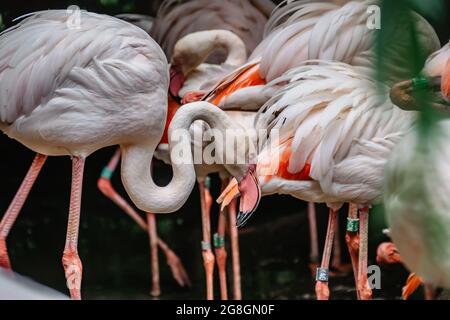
(250, 194)
(387, 254)
(403, 94)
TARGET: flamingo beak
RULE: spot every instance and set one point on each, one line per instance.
(177, 80)
(412, 284)
(403, 93)
(249, 191)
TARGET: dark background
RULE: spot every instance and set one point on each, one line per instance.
(114, 251)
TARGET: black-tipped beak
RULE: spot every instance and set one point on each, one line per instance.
(250, 197)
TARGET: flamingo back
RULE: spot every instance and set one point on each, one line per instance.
(245, 18)
(335, 123)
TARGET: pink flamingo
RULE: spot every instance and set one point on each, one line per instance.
(79, 109)
(242, 17)
(401, 206)
(291, 29)
(336, 132)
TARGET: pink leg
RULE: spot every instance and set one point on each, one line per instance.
(322, 290)
(336, 262)
(234, 235)
(104, 184)
(208, 256)
(71, 261)
(430, 292)
(221, 252)
(153, 235)
(176, 266)
(313, 238)
(16, 206)
(352, 239)
(365, 292)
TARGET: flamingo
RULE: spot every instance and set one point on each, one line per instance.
(15, 287)
(172, 28)
(328, 30)
(436, 78)
(198, 73)
(245, 18)
(11, 215)
(97, 92)
(142, 21)
(336, 133)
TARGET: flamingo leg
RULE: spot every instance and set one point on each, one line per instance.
(16, 206)
(221, 255)
(104, 184)
(153, 235)
(220, 250)
(352, 240)
(430, 292)
(71, 260)
(336, 262)
(322, 276)
(365, 292)
(176, 266)
(208, 256)
(234, 235)
(314, 242)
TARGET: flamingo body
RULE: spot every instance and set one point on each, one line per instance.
(71, 92)
(417, 204)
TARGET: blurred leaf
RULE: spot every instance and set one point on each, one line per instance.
(109, 3)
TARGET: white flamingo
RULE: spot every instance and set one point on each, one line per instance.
(336, 132)
(422, 250)
(225, 51)
(197, 74)
(71, 92)
(299, 31)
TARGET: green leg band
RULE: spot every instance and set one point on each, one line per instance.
(107, 173)
(219, 241)
(352, 225)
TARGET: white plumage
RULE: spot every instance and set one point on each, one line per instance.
(70, 91)
(246, 18)
(334, 118)
(417, 203)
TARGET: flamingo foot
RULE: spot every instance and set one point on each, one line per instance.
(4, 258)
(156, 291)
(208, 262)
(322, 290)
(365, 292)
(73, 271)
(178, 271)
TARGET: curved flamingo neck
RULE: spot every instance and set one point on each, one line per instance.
(195, 48)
